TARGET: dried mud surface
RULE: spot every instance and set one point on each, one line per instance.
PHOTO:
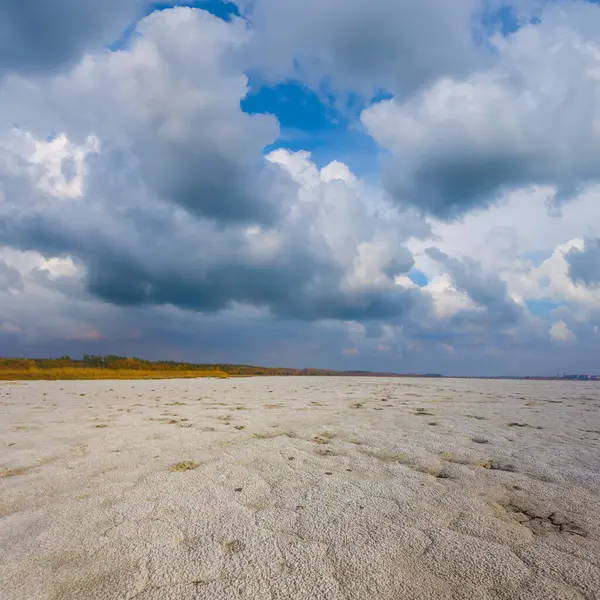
(300, 488)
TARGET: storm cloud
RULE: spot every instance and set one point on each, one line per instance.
(40, 36)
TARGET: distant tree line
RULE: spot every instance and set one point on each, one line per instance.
(126, 363)
(91, 364)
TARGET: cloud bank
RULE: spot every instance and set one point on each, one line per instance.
(143, 211)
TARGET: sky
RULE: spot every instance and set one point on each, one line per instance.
(380, 185)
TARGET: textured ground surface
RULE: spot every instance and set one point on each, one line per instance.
(304, 488)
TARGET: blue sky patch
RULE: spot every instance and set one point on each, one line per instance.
(501, 20)
(321, 123)
(542, 308)
(296, 107)
(220, 8)
(313, 123)
(418, 277)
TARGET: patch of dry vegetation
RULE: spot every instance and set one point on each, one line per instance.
(271, 434)
(100, 367)
(323, 438)
(186, 465)
(324, 451)
(65, 367)
(88, 373)
(234, 547)
(14, 471)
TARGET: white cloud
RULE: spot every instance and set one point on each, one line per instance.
(551, 279)
(349, 220)
(337, 170)
(447, 300)
(166, 111)
(561, 333)
(524, 243)
(58, 166)
(532, 118)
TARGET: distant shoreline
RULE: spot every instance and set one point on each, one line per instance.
(92, 367)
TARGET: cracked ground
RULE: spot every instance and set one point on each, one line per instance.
(300, 488)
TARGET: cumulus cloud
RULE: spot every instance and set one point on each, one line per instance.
(38, 36)
(486, 290)
(362, 46)
(173, 201)
(530, 118)
(303, 266)
(447, 299)
(561, 333)
(73, 321)
(58, 167)
(552, 280)
(166, 111)
(584, 263)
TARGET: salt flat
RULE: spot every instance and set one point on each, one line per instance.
(305, 488)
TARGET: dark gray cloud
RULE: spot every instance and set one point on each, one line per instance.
(40, 36)
(199, 177)
(450, 186)
(10, 278)
(362, 46)
(584, 265)
(154, 254)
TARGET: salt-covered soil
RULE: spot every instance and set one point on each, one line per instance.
(300, 488)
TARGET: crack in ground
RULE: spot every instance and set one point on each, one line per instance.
(543, 523)
(151, 588)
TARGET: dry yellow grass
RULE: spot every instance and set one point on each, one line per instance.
(89, 373)
(14, 472)
(186, 465)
